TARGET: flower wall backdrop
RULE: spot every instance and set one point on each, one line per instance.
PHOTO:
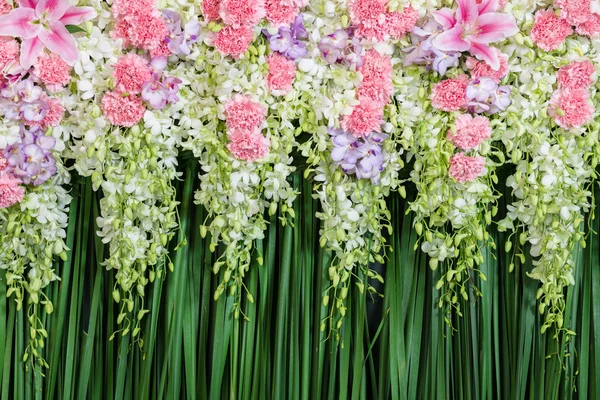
(362, 97)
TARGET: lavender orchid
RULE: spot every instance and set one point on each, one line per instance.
(180, 40)
(342, 46)
(287, 40)
(360, 156)
(484, 95)
(31, 160)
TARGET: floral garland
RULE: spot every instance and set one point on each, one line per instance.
(35, 69)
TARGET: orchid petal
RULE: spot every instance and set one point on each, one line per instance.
(488, 6)
(486, 53)
(30, 50)
(467, 11)
(27, 3)
(494, 27)
(77, 15)
(58, 40)
(18, 24)
(54, 9)
(445, 17)
(451, 40)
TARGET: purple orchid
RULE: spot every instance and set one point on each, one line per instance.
(42, 23)
(31, 160)
(444, 60)
(362, 157)
(472, 27)
(180, 40)
(342, 46)
(484, 95)
(287, 40)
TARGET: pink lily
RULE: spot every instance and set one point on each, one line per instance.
(472, 27)
(41, 23)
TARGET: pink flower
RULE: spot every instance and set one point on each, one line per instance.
(470, 132)
(591, 27)
(278, 12)
(473, 27)
(210, 10)
(248, 145)
(242, 112)
(399, 23)
(122, 110)
(10, 191)
(365, 118)
(575, 12)
(131, 72)
(450, 94)
(5, 8)
(464, 168)
(54, 114)
(53, 71)
(133, 8)
(577, 75)
(549, 31)
(146, 32)
(239, 13)
(41, 23)
(481, 69)
(282, 73)
(376, 83)
(367, 12)
(234, 41)
(570, 108)
(9, 52)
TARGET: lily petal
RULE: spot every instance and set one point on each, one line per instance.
(77, 15)
(27, 3)
(445, 17)
(486, 53)
(54, 9)
(467, 11)
(488, 6)
(18, 24)
(451, 40)
(58, 40)
(494, 27)
(30, 50)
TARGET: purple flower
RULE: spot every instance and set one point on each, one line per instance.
(31, 160)
(444, 60)
(179, 40)
(287, 40)
(360, 156)
(484, 95)
(501, 100)
(155, 94)
(298, 29)
(342, 46)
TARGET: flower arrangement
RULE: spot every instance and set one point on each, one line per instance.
(375, 95)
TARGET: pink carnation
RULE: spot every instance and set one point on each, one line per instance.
(465, 168)
(133, 8)
(450, 94)
(575, 12)
(210, 10)
(482, 69)
(234, 41)
(376, 83)
(144, 32)
(591, 27)
(365, 118)
(577, 75)
(131, 72)
(122, 110)
(470, 132)
(244, 113)
(54, 114)
(9, 52)
(53, 71)
(239, 13)
(570, 108)
(279, 13)
(3, 163)
(399, 23)
(367, 12)
(282, 73)
(248, 145)
(10, 191)
(5, 8)
(549, 31)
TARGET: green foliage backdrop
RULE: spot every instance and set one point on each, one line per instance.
(396, 346)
